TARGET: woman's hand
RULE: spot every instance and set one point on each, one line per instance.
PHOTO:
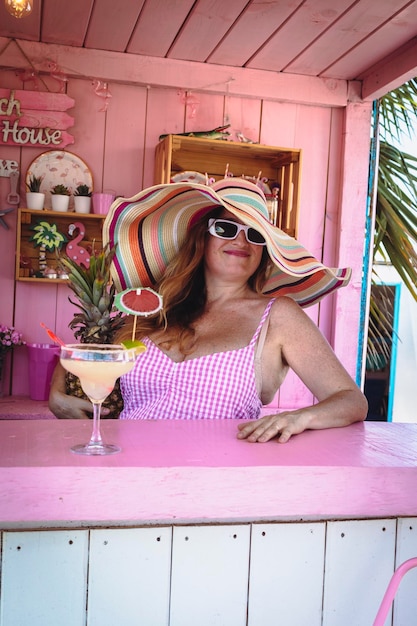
(340, 409)
(64, 406)
(282, 425)
(69, 407)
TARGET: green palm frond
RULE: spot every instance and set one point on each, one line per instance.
(398, 111)
(395, 237)
(396, 213)
(379, 331)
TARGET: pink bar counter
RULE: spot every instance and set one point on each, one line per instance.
(199, 473)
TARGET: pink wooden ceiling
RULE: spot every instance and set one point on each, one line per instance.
(342, 39)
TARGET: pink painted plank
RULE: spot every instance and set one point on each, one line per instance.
(331, 231)
(198, 472)
(278, 124)
(394, 70)
(107, 30)
(37, 100)
(244, 117)
(208, 114)
(207, 23)
(155, 18)
(89, 129)
(357, 27)
(259, 21)
(312, 136)
(8, 237)
(363, 56)
(26, 28)
(308, 21)
(170, 73)
(125, 133)
(165, 114)
(59, 17)
(331, 225)
(353, 207)
(44, 119)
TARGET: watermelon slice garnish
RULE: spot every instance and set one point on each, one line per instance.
(141, 302)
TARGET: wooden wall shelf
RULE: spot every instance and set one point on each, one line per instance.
(176, 153)
(27, 253)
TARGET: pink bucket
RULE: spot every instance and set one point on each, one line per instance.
(102, 202)
(43, 358)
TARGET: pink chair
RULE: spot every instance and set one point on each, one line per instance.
(392, 590)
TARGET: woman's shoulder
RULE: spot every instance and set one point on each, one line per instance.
(285, 304)
(287, 313)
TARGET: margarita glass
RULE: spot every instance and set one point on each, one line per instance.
(98, 366)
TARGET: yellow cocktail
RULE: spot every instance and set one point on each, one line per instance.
(98, 366)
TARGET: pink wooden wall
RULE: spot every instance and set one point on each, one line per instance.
(118, 145)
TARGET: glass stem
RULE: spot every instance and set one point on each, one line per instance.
(96, 436)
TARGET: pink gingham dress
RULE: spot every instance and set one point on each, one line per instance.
(215, 386)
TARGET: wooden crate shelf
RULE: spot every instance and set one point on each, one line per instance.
(281, 166)
(27, 254)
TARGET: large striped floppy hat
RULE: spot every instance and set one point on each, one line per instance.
(149, 228)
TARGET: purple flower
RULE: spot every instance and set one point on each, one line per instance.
(9, 338)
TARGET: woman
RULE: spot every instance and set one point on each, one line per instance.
(231, 327)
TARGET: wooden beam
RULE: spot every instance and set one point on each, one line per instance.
(352, 211)
(392, 72)
(186, 75)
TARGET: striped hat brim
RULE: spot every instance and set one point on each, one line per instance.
(149, 229)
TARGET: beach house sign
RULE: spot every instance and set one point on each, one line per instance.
(35, 119)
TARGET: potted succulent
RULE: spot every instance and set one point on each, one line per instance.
(34, 197)
(82, 199)
(60, 197)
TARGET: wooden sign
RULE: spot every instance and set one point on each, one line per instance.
(7, 166)
(35, 119)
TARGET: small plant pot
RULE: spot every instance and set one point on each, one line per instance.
(102, 202)
(60, 203)
(82, 204)
(35, 200)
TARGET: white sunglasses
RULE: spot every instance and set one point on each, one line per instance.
(225, 229)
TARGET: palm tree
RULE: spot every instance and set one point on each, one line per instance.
(47, 237)
(395, 237)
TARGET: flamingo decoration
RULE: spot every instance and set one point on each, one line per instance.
(57, 74)
(101, 89)
(75, 252)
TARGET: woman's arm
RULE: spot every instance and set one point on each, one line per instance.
(62, 405)
(306, 351)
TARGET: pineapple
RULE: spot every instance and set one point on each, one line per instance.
(96, 321)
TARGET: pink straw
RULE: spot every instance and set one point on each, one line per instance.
(52, 335)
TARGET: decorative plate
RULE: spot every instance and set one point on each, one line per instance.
(59, 167)
(190, 177)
